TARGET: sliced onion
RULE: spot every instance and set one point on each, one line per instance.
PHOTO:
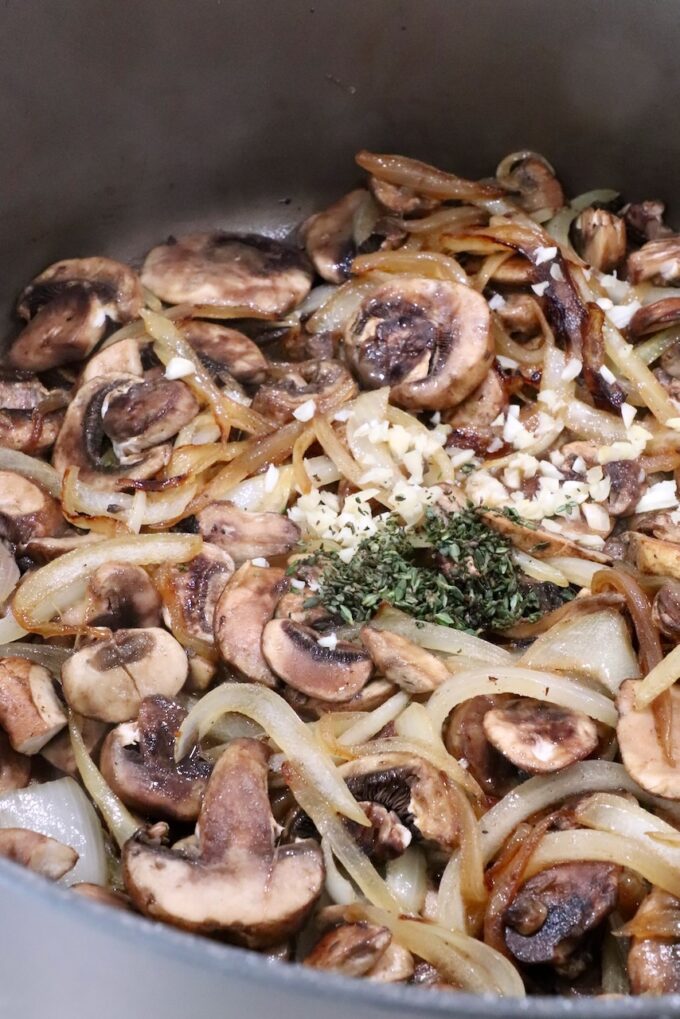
(143, 509)
(50, 657)
(431, 264)
(369, 408)
(119, 820)
(34, 602)
(252, 495)
(285, 728)
(439, 638)
(335, 313)
(539, 569)
(590, 423)
(372, 722)
(406, 877)
(10, 629)
(596, 645)
(202, 430)
(650, 350)
(601, 196)
(334, 449)
(649, 388)
(338, 887)
(30, 467)
(508, 347)
(9, 573)
(62, 811)
(448, 219)
(194, 460)
(607, 812)
(257, 452)
(661, 678)
(425, 179)
(576, 571)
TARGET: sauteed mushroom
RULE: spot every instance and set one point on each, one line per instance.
(26, 511)
(196, 588)
(245, 606)
(122, 358)
(256, 273)
(656, 260)
(137, 760)
(330, 673)
(429, 340)
(226, 351)
(654, 963)
(240, 882)
(325, 382)
(328, 236)
(15, 768)
(651, 318)
(24, 425)
(246, 535)
(639, 745)
(644, 221)
(626, 480)
(533, 180)
(119, 596)
(466, 740)
(403, 662)
(666, 610)
(403, 201)
(352, 949)
(137, 416)
(38, 853)
(539, 737)
(602, 238)
(30, 711)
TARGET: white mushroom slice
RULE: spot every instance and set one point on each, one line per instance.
(538, 737)
(403, 662)
(246, 535)
(653, 963)
(26, 511)
(116, 286)
(246, 604)
(80, 441)
(403, 201)
(666, 610)
(23, 425)
(328, 236)
(38, 853)
(30, 711)
(639, 745)
(429, 340)
(15, 769)
(119, 596)
(109, 679)
(256, 273)
(225, 351)
(122, 358)
(653, 555)
(656, 260)
(326, 383)
(195, 588)
(352, 949)
(539, 543)
(139, 415)
(328, 673)
(651, 318)
(602, 238)
(240, 881)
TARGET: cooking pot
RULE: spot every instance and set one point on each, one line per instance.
(123, 122)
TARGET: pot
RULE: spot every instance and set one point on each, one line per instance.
(122, 123)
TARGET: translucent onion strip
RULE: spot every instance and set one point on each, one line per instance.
(430, 264)
(372, 722)
(285, 728)
(119, 820)
(607, 812)
(256, 453)
(439, 638)
(338, 887)
(624, 358)
(661, 678)
(143, 509)
(47, 655)
(30, 467)
(576, 571)
(539, 569)
(406, 877)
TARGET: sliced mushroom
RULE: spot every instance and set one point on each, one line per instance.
(44, 550)
(26, 511)
(602, 237)
(538, 542)
(371, 697)
(556, 908)
(644, 221)
(395, 966)
(30, 712)
(80, 441)
(352, 949)
(670, 360)
(59, 751)
(29, 421)
(473, 417)
(109, 679)
(98, 893)
(659, 524)
(429, 340)
(639, 745)
(122, 358)
(38, 853)
(538, 737)
(15, 769)
(327, 383)
(656, 260)
(245, 606)
(626, 480)
(520, 316)
(401, 200)
(139, 415)
(296, 605)
(411, 787)
(116, 286)
(226, 351)
(294, 654)
(241, 883)
(195, 588)
(656, 316)
(403, 662)
(246, 535)
(137, 760)
(329, 239)
(256, 273)
(118, 596)
(466, 740)
(653, 555)
(666, 610)
(533, 180)
(654, 962)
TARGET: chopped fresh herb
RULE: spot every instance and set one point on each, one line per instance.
(453, 569)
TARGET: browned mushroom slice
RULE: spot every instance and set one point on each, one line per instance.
(195, 588)
(329, 673)
(44, 550)
(538, 542)
(654, 962)
(371, 697)
(80, 441)
(328, 236)
(245, 606)
(59, 751)
(256, 273)
(30, 711)
(656, 260)
(98, 893)
(138, 415)
(602, 238)
(109, 679)
(539, 737)
(626, 479)
(246, 535)
(644, 221)
(653, 555)
(639, 746)
(473, 417)
(121, 358)
(556, 908)
(26, 511)
(15, 769)
(399, 199)
(519, 314)
(296, 606)
(241, 882)
(666, 610)
(226, 351)
(466, 740)
(38, 853)
(533, 180)
(29, 421)
(403, 662)
(656, 316)
(118, 596)
(327, 383)
(116, 286)
(429, 340)
(137, 760)
(352, 949)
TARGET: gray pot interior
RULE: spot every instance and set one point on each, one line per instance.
(123, 122)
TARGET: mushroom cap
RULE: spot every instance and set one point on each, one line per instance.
(466, 740)
(118, 596)
(331, 674)
(116, 286)
(245, 535)
(639, 745)
(249, 271)
(61, 332)
(352, 949)
(603, 238)
(653, 964)
(222, 349)
(30, 711)
(403, 662)
(533, 180)
(23, 424)
(539, 737)
(138, 415)
(657, 260)
(26, 511)
(429, 340)
(109, 679)
(328, 236)
(38, 853)
(326, 382)
(241, 883)
(245, 606)
(196, 589)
